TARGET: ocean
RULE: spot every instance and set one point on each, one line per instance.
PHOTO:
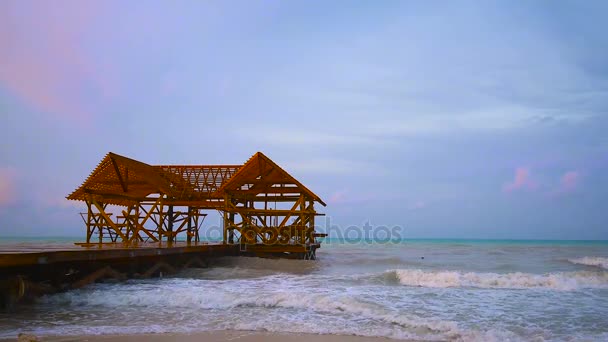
(454, 290)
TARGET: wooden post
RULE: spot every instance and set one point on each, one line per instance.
(196, 217)
(311, 221)
(170, 237)
(302, 224)
(189, 234)
(225, 233)
(231, 232)
(160, 221)
(99, 227)
(136, 224)
(89, 219)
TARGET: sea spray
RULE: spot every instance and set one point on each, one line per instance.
(591, 261)
(564, 281)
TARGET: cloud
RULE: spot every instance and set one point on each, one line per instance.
(8, 188)
(417, 205)
(338, 197)
(569, 181)
(43, 61)
(521, 181)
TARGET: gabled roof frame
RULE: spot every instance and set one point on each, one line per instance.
(124, 181)
(249, 175)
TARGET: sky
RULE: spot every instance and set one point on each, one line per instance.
(450, 119)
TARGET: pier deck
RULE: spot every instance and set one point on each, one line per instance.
(28, 270)
(29, 254)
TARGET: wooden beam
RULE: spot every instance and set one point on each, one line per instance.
(122, 182)
(108, 220)
(279, 212)
(292, 210)
(140, 225)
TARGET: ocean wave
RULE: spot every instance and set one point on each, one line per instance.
(281, 303)
(404, 326)
(370, 261)
(591, 261)
(564, 281)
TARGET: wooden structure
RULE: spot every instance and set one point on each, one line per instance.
(264, 208)
(137, 214)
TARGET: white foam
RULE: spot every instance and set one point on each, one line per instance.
(301, 304)
(565, 281)
(400, 325)
(591, 261)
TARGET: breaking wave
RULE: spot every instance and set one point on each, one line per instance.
(564, 281)
(397, 324)
(591, 261)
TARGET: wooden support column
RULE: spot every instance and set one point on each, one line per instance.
(99, 221)
(189, 233)
(302, 208)
(89, 219)
(231, 232)
(196, 226)
(170, 237)
(136, 223)
(266, 208)
(127, 222)
(311, 221)
(246, 224)
(226, 206)
(160, 221)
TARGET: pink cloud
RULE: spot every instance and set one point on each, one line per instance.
(521, 180)
(43, 62)
(8, 188)
(338, 197)
(569, 181)
(418, 205)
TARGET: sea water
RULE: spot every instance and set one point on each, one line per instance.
(415, 289)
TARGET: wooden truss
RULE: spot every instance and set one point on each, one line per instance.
(259, 201)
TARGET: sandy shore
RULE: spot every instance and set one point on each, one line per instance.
(216, 336)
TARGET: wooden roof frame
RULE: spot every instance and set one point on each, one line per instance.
(254, 172)
(123, 181)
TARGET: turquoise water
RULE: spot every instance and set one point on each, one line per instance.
(64, 239)
(473, 242)
(40, 239)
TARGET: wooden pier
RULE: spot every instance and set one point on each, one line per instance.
(138, 213)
